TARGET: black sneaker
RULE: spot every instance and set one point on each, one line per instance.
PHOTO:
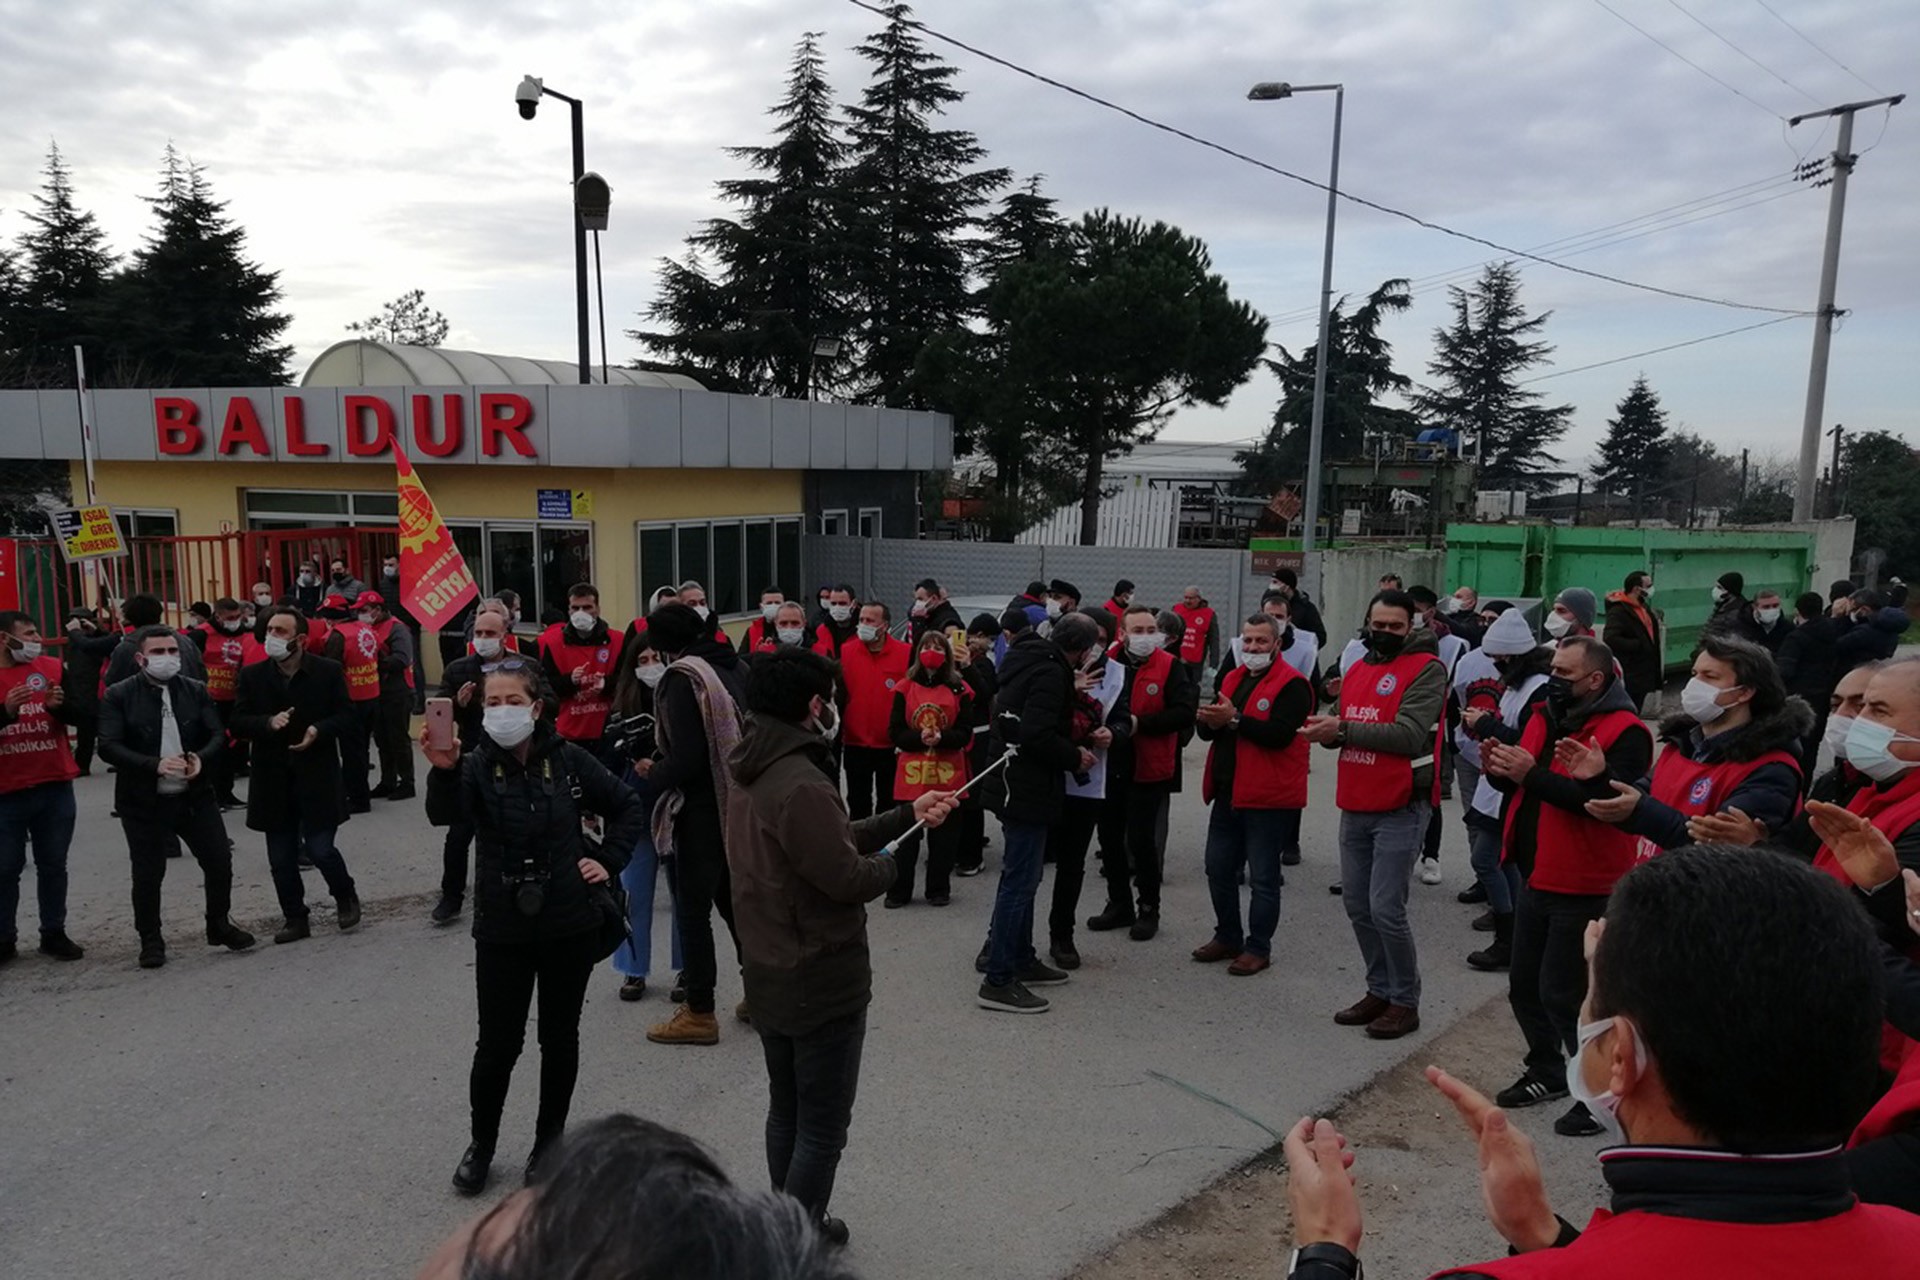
(1012, 998)
(471, 1175)
(447, 910)
(227, 934)
(349, 912)
(404, 791)
(1113, 916)
(1472, 894)
(1039, 974)
(58, 945)
(678, 993)
(1290, 858)
(1064, 954)
(296, 929)
(980, 961)
(1578, 1123)
(153, 953)
(1529, 1091)
(970, 871)
(1145, 927)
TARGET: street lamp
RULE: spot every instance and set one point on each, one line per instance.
(528, 97)
(1271, 91)
(824, 348)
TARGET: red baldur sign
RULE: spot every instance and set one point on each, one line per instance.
(369, 428)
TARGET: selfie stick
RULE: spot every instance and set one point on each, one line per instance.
(893, 845)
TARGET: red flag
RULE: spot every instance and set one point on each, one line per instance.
(434, 579)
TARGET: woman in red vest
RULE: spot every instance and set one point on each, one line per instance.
(931, 728)
(1736, 747)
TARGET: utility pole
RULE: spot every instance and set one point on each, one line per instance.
(1843, 161)
(1839, 434)
(1743, 477)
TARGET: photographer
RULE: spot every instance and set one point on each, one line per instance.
(535, 920)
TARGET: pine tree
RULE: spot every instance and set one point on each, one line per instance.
(918, 196)
(60, 281)
(407, 320)
(1636, 449)
(778, 273)
(199, 313)
(1479, 359)
(1359, 373)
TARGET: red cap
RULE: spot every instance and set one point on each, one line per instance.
(334, 600)
(368, 599)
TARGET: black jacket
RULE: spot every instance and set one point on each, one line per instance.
(1770, 794)
(1182, 701)
(1748, 627)
(1033, 711)
(1630, 756)
(87, 653)
(942, 617)
(286, 787)
(526, 823)
(1808, 661)
(130, 738)
(1305, 614)
(462, 671)
(1873, 640)
(1726, 616)
(1635, 647)
(689, 764)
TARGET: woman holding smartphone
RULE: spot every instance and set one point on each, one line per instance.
(627, 750)
(536, 925)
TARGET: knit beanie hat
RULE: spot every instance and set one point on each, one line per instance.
(1509, 635)
(1580, 601)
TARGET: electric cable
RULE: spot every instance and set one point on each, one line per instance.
(1743, 53)
(1689, 61)
(1878, 92)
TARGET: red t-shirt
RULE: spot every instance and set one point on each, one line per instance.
(33, 746)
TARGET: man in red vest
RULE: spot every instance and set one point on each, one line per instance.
(395, 704)
(580, 657)
(1121, 599)
(837, 628)
(1728, 1041)
(227, 644)
(1569, 859)
(37, 770)
(1200, 645)
(760, 636)
(1392, 705)
(872, 666)
(356, 647)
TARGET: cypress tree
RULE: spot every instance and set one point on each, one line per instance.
(57, 298)
(1636, 448)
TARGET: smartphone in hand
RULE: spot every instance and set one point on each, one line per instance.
(440, 733)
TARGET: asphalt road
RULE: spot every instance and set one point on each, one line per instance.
(296, 1111)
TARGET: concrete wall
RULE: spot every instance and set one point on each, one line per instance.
(1350, 576)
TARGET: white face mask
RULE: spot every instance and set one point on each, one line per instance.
(827, 722)
(277, 647)
(163, 666)
(791, 635)
(1869, 749)
(1835, 738)
(839, 612)
(703, 611)
(769, 611)
(487, 646)
(1452, 604)
(1603, 1107)
(1767, 617)
(263, 599)
(1419, 622)
(1256, 662)
(1141, 644)
(1647, 589)
(1557, 625)
(232, 626)
(581, 620)
(1053, 608)
(919, 608)
(1700, 701)
(309, 579)
(365, 616)
(507, 724)
(651, 673)
(867, 632)
(1719, 594)
(28, 650)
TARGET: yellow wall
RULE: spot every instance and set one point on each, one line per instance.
(207, 493)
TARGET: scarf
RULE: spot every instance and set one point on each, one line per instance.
(720, 717)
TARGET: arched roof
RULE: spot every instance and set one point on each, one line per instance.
(359, 362)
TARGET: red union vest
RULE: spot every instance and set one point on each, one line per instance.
(225, 655)
(919, 772)
(761, 637)
(1374, 781)
(583, 714)
(1898, 1108)
(1891, 812)
(33, 748)
(1154, 754)
(1572, 852)
(1696, 787)
(1193, 645)
(360, 656)
(1263, 778)
(1866, 1240)
(871, 680)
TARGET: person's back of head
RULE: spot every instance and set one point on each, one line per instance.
(1753, 984)
(783, 684)
(1076, 633)
(1015, 622)
(1809, 605)
(142, 610)
(675, 628)
(1840, 590)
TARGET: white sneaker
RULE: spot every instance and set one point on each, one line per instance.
(1429, 871)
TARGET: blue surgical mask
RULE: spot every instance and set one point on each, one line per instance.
(1869, 746)
(1603, 1106)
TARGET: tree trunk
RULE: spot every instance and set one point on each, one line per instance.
(1090, 497)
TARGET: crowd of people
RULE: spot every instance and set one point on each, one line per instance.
(786, 778)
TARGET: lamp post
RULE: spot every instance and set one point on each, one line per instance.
(824, 348)
(528, 97)
(1270, 91)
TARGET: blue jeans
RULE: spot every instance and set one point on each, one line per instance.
(635, 956)
(1010, 939)
(283, 860)
(1252, 838)
(1377, 852)
(46, 813)
(1500, 879)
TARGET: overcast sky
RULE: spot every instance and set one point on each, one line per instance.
(372, 148)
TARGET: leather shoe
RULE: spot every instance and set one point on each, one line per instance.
(1214, 951)
(1399, 1020)
(1473, 893)
(225, 933)
(476, 1166)
(153, 953)
(1114, 916)
(1145, 926)
(1064, 954)
(1362, 1011)
(294, 930)
(58, 945)
(349, 909)
(447, 910)
(404, 791)
(540, 1148)
(380, 791)
(1246, 964)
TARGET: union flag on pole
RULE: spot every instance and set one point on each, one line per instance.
(434, 579)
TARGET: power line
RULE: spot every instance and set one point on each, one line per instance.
(1675, 346)
(1684, 58)
(1816, 48)
(1743, 53)
(1376, 206)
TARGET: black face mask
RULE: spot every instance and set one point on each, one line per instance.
(1560, 695)
(1385, 644)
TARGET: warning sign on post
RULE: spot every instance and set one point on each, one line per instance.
(563, 504)
(87, 533)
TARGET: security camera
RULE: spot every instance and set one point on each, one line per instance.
(528, 96)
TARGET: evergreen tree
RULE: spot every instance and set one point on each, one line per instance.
(1636, 448)
(407, 321)
(1359, 373)
(1478, 360)
(778, 272)
(197, 311)
(918, 196)
(60, 280)
(1879, 474)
